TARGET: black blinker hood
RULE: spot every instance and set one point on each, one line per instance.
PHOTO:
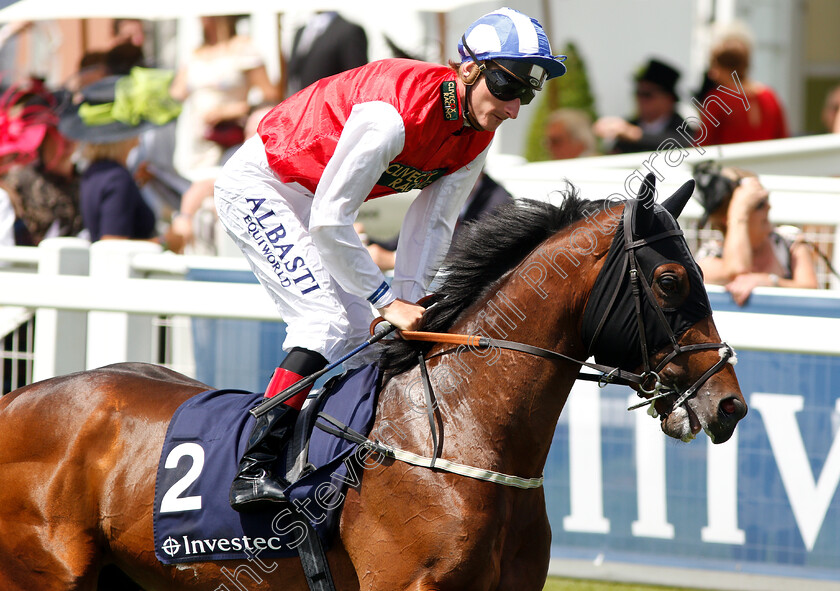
(610, 326)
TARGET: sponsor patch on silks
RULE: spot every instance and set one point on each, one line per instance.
(449, 100)
(193, 520)
(402, 178)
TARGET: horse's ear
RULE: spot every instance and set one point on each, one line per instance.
(644, 209)
(675, 203)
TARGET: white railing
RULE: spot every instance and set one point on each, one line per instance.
(104, 303)
(816, 155)
(811, 203)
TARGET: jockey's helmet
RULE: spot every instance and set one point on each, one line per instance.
(515, 42)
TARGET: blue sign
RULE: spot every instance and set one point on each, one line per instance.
(764, 502)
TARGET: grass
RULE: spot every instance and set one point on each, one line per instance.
(556, 584)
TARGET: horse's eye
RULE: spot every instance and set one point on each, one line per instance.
(669, 284)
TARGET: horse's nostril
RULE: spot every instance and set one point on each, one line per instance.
(732, 407)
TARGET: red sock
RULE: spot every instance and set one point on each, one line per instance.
(282, 379)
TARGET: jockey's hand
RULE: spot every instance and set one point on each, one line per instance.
(403, 314)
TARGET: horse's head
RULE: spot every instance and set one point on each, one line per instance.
(649, 313)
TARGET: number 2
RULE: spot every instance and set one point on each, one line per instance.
(171, 502)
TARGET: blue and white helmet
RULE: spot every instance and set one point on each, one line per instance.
(508, 34)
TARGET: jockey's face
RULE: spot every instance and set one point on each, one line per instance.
(490, 112)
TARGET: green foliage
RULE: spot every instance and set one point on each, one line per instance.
(569, 91)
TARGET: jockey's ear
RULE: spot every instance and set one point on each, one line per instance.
(469, 72)
(676, 202)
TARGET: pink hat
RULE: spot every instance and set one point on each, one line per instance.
(26, 114)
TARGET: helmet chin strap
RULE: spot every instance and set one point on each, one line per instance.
(469, 81)
(469, 118)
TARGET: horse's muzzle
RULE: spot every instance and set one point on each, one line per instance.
(730, 411)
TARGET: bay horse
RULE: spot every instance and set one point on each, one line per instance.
(613, 280)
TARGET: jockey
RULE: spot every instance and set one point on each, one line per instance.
(290, 195)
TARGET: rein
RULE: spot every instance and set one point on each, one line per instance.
(609, 375)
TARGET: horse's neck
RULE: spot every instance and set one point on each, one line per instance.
(499, 409)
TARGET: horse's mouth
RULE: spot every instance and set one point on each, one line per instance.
(679, 422)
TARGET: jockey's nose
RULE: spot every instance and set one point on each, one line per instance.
(512, 108)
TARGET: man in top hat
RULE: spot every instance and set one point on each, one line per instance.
(657, 119)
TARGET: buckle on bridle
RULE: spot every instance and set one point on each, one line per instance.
(605, 378)
(657, 383)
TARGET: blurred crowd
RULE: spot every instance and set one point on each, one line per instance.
(108, 155)
(126, 150)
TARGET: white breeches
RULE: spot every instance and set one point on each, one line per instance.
(269, 221)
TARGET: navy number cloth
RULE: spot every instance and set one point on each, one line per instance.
(208, 433)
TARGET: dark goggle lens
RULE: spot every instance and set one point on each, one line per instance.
(506, 88)
(526, 72)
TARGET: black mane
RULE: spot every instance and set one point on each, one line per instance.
(485, 250)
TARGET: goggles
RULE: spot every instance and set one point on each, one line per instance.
(527, 73)
(510, 79)
(506, 87)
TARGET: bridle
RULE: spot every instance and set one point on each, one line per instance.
(637, 279)
(648, 384)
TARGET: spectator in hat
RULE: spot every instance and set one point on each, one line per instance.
(657, 118)
(754, 113)
(113, 113)
(39, 178)
(752, 252)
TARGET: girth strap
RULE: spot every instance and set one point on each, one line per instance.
(313, 559)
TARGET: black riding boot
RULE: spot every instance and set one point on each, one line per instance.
(256, 486)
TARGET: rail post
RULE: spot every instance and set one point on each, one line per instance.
(60, 335)
(115, 337)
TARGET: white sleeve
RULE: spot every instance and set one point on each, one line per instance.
(372, 137)
(427, 229)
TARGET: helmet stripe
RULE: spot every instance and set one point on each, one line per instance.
(526, 32)
(486, 37)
